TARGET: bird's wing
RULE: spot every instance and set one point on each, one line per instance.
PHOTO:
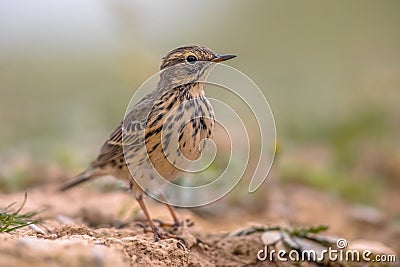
(129, 132)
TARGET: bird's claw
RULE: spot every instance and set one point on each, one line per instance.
(175, 226)
(156, 232)
(158, 235)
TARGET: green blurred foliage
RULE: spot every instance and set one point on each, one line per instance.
(365, 189)
(17, 180)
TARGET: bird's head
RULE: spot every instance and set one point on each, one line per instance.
(189, 63)
(190, 54)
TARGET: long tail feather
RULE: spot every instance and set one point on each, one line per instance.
(80, 178)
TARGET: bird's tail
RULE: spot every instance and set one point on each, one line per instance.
(80, 178)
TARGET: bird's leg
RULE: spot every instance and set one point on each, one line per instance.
(175, 217)
(156, 232)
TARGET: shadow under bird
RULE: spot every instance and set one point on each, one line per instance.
(162, 131)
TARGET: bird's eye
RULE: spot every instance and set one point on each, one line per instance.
(191, 59)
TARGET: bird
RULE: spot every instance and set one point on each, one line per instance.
(162, 131)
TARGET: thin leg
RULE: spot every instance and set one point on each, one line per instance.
(157, 235)
(171, 210)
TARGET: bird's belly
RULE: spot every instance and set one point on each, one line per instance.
(180, 142)
(172, 143)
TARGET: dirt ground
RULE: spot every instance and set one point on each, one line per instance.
(87, 226)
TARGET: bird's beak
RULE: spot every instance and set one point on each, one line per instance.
(220, 58)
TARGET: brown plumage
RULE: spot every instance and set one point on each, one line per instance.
(161, 130)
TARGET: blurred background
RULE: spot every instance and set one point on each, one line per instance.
(330, 71)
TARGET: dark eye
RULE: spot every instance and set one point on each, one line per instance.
(191, 58)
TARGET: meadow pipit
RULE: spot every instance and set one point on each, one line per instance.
(141, 146)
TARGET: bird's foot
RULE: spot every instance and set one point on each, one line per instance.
(176, 225)
(185, 238)
(158, 235)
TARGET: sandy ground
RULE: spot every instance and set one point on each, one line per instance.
(88, 227)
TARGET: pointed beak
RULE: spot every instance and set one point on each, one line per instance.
(220, 58)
